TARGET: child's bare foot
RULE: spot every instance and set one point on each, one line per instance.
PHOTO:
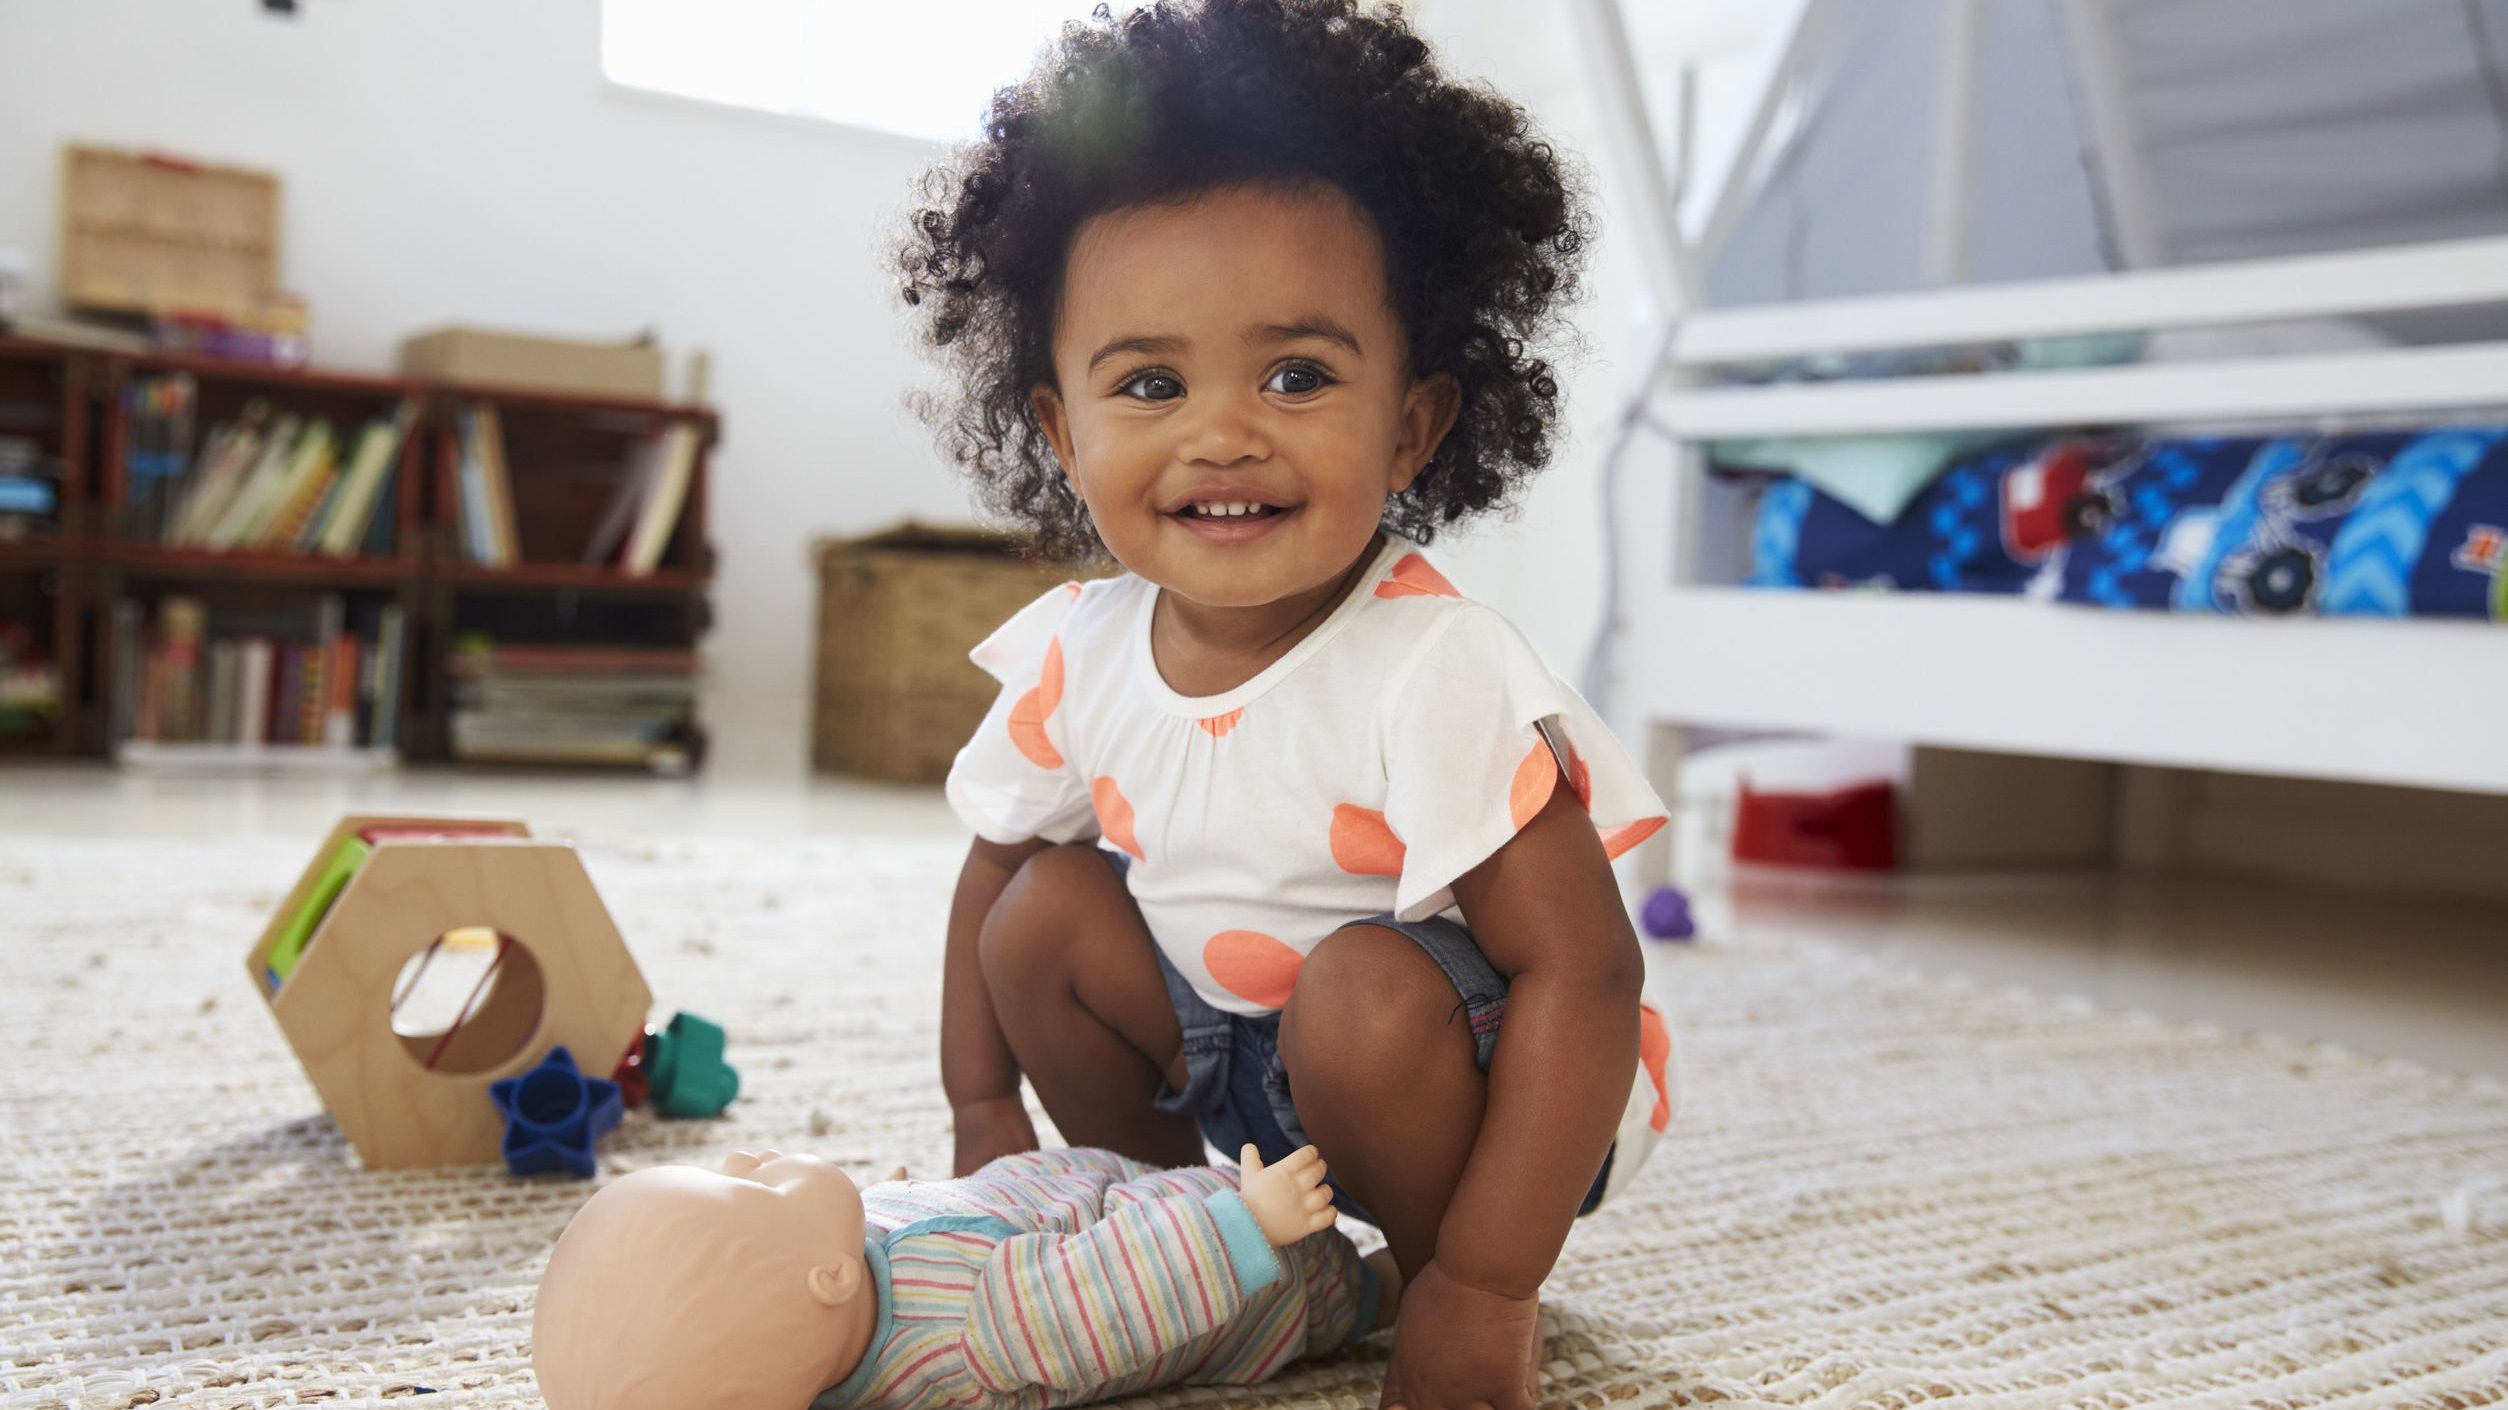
(1388, 1287)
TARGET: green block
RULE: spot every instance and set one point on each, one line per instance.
(684, 1064)
(308, 918)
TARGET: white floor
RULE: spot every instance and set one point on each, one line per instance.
(2422, 980)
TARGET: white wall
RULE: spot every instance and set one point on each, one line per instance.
(463, 160)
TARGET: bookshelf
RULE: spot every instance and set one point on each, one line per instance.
(46, 433)
(518, 650)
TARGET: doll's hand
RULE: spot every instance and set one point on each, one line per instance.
(1289, 1200)
(989, 1130)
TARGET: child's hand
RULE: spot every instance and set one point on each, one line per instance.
(1289, 1200)
(989, 1130)
(1455, 1345)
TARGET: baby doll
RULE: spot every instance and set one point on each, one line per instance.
(1278, 836)
(1046, 1279)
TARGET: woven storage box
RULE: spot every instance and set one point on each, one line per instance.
(146, 233)
(898, 613)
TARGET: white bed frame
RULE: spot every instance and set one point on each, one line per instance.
(2417, 702)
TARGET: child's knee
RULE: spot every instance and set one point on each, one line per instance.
(1369, 1005)
(1022, 939)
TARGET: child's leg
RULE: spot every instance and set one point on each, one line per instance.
(1075, 984)
(1382, 1061)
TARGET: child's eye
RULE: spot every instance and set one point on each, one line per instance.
(1152, 386)
(1298, 379)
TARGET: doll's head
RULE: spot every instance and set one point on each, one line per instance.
(1249, 248)
(676, 1288)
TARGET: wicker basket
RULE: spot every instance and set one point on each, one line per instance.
(898, 613)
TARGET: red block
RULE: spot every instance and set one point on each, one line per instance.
(1853, 829)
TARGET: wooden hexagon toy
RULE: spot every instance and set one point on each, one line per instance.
(384, 897)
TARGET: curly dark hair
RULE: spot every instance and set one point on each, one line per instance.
(1483, 225)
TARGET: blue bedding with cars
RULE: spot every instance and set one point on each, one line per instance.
(2378, 524)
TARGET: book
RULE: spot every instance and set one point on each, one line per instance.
(182, 623)
(343, 527)
(261, 484)
(287, 684)
(309, 477)
(504, 537)
(126, 669)
(220, 726)
(390, 646)
(255, 660)
(339, 718)
(471, 492)
(156, 449)
(659, 514)
(635, 480)
(233, 449)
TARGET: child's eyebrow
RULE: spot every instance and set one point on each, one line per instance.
(1309, 327)
(1159, 346)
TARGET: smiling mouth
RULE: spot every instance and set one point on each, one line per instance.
(1225, 512)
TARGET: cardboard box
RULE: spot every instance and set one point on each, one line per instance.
(479, 357)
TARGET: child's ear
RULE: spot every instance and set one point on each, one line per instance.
(1429, 407)
(834, 1284)
(1046, 403)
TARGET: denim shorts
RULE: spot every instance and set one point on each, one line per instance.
(1237, 1089)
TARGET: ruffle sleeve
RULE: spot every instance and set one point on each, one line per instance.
(1011, 782)
(1478, 736)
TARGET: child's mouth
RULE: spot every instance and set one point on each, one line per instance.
(1224, 522)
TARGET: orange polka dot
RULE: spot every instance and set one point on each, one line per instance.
(1219, 725)
(1114, 816)
(1534, 778)
(1617, 841)
(1413, 577)
(1654, 1053)
(1253, 966)
(1363, 843)
(1070, 589)
(1028, 715)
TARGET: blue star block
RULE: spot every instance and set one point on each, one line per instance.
(553, 1114)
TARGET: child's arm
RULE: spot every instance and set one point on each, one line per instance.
(1076, 1312)
(977, 1069)
(1546, 910)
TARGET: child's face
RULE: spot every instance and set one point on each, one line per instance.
(1238, 349)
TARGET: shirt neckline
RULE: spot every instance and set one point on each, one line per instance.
(1202, 707)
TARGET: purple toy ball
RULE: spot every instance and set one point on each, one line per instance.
(1666, 915)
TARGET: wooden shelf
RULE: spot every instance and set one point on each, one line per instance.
(207, 565)
(44, 552)
(582, 402)
(582, 577)
(141, 756)
(85, 575)
(298, 379)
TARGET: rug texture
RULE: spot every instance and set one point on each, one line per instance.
(1884, 1190)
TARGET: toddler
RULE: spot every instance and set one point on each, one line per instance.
(1278, 837)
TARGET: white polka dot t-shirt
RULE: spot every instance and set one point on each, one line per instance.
(1396, 747)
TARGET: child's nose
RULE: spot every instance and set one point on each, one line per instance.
(1228, 431)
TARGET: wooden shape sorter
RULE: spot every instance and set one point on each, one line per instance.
(559, 975)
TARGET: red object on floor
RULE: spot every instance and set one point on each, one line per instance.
(1853, 829)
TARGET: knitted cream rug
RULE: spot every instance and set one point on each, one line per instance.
(1884, 1190)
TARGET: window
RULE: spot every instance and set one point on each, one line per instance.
(924, 68)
